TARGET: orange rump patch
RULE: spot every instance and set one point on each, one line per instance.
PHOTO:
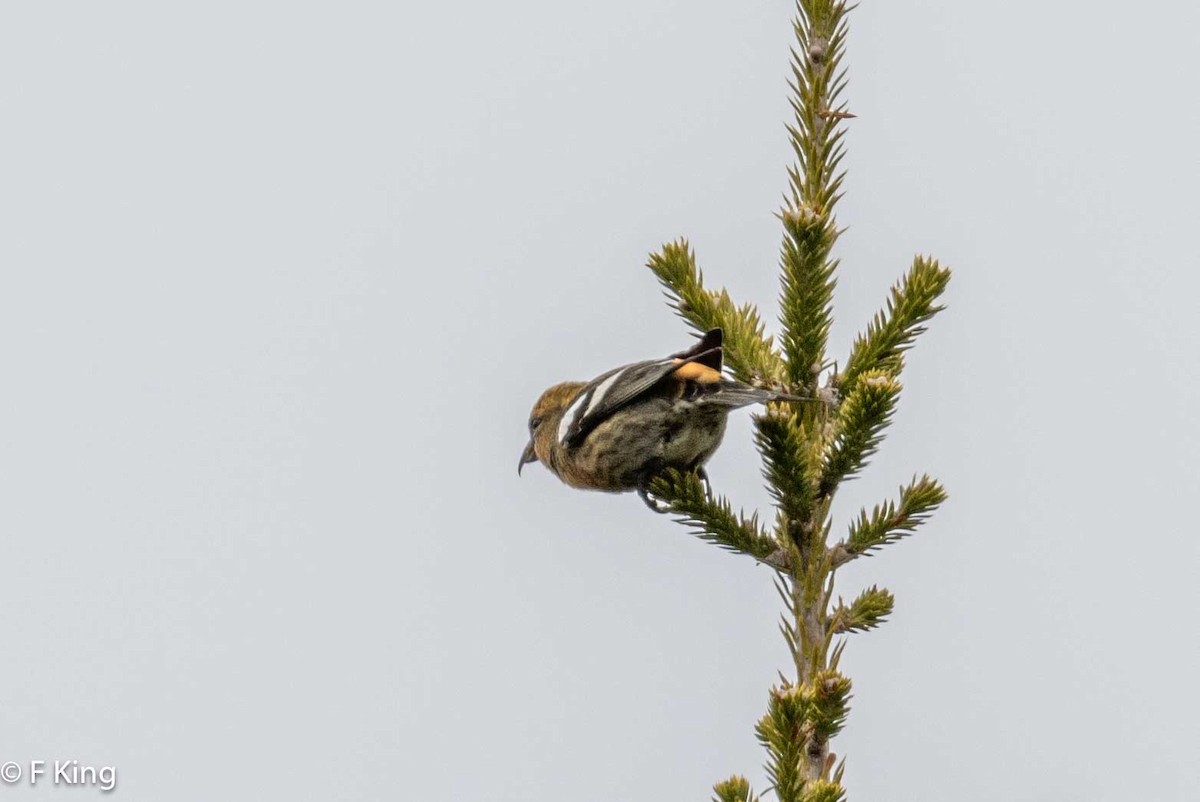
(694, 371)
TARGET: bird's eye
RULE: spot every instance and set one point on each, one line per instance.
(534, 423)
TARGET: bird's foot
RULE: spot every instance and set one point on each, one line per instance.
(643, 491)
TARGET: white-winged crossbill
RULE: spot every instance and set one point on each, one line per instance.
(619, 430)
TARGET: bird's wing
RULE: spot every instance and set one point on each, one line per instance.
(611, 391)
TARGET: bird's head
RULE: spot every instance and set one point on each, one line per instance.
(543, 423)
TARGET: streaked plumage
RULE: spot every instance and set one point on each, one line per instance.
(618, 430)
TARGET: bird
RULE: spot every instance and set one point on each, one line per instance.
(621, 429)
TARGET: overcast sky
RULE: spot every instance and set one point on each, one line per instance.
(279, 283)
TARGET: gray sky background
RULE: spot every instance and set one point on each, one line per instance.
(281, 281)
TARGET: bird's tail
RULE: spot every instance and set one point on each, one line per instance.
(735, 394)
(706, 352)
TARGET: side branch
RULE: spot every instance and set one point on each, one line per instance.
(891, 521)
(868, 610)
(792, 468)
(713, 519)
(911, 303)
(749, 353)
(861, 420)
(735, 789)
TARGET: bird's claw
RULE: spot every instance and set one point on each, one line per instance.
(643, 492)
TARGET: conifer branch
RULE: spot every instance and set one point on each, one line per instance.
(810, 230)
(749, 353)
(868, 610)
(712, 518)
(735, 789)
(894, 329)
(825, 791)
(809, 447)
(830, 704)
(807, 294)
(861, 419)
(800, 721)
(891, 521)
(791, 466)
(779, 733)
